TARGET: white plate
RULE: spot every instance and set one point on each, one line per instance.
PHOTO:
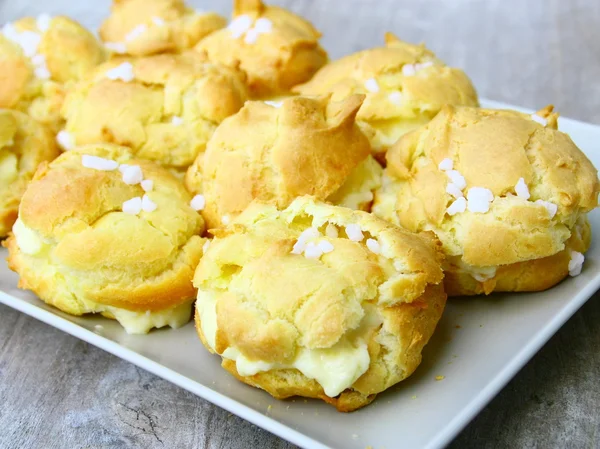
(496, 337)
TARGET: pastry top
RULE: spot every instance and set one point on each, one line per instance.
(24, 144)
(88, 216)
(338, 299)
(277, 152)
(276, 48)
(37, 57)
(405, 86)
(146, 27)
(497, 186)
(164, 107)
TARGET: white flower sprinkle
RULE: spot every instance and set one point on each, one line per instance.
(331, 231)
(308, 234)
(275, 104)
(10, 32)
(136, 32)
(122, 72)
(158, 21)
(325, 246)
(395, 98)
(312, 251)
(147, 204)
(299, 247)
(43, 22)
(541, 120)
(65, 140)
(116, 47)
(29, 42)
(263, 25)
(374, 246)
(479, 199)
(205, 246)
(354, 232)
(457, 207)
(240, 25)
(521, 189)
(550, 207)
(38, 60)
(147, 185)
(225, 219)
(198, 202)
(98, 163)
(457, 179)
(451, 189)
(371, 85)
(176, 120)
(251, 36)
(132, 206)
(576, 263)
(446, 164)
(408, 70)
(132, 174)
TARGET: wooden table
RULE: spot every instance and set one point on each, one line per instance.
(58, 392)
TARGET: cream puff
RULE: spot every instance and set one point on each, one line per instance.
(164, 107)
(318, 301)
(277, 151)
(24, 144)
(146, 27)
(100, 231)
(405, 87)
(506, 193)
(276, 48)
(39, 59)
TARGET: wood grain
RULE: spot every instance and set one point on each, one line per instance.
(58, 392)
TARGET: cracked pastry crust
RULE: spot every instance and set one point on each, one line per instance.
(307, 146)
(353, 313)
(24, 144)
(275, 61)
(146, 27)
(78, 251)
(397, 101)
(69, 52)
(520, 244)
(166, 113)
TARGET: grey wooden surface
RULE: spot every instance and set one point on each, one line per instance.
(58, 392)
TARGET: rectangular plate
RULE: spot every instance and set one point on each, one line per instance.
(497, 336)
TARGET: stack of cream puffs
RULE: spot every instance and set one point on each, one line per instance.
(312, 215)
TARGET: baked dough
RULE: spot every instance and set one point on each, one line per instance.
(91, 238)
(523, 186)
(164, 107)
(342, 324)
(24, 144)
(276, 48)
(405, 87)
(146, 27)
(39, 59)
(275, 153)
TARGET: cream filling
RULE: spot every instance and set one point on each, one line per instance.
(335, 368)
(480, 274)
(30, 243)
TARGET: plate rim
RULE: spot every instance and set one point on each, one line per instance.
(442, 438)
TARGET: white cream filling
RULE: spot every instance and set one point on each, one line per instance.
(335, 368)
(30, 242)
(480, 274)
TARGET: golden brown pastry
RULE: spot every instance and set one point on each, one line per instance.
(102, 232)
(276, 48)
(39, 59)
(276, 152)
(24, 144)
(405, 87)
(164, 107)
(146, 27)
(506, 193)
(318, 301)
